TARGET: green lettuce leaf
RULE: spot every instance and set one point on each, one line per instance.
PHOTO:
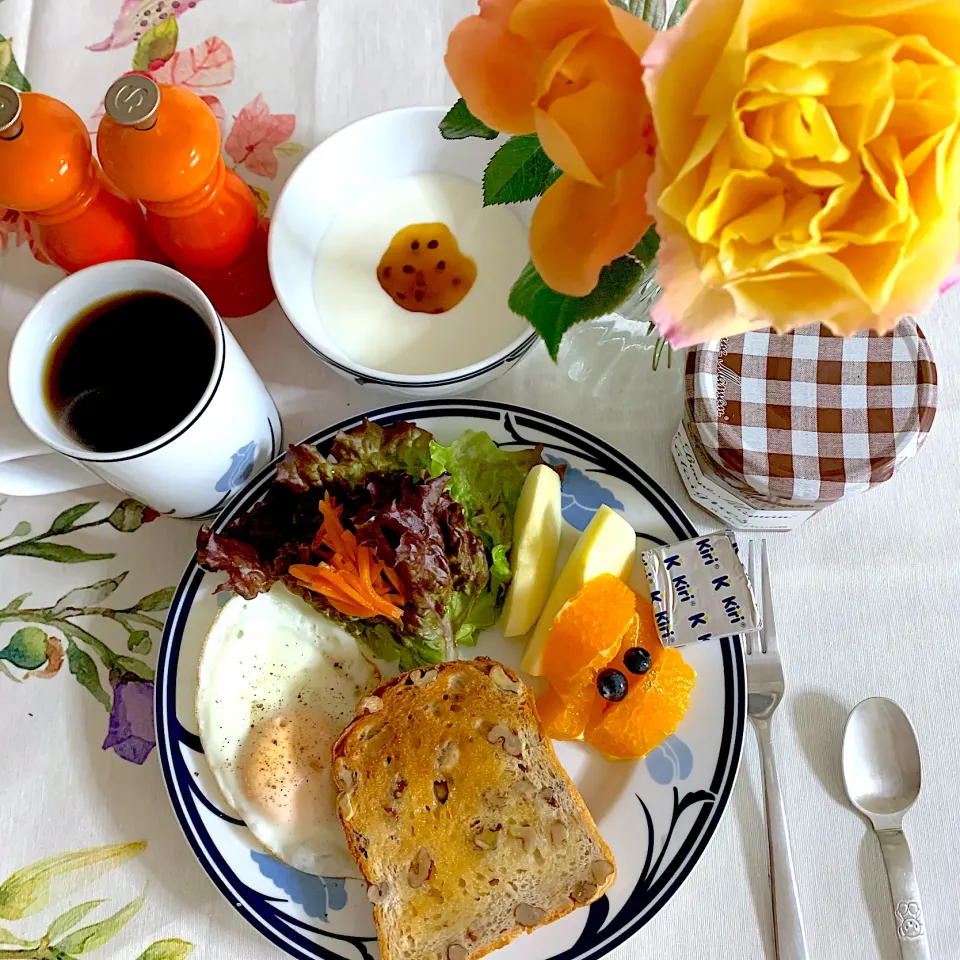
(486, 481)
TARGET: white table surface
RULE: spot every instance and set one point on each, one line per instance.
(866, 592)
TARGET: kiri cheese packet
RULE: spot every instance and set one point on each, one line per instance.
(700, 590)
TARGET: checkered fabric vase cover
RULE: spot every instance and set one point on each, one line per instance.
(806, 418)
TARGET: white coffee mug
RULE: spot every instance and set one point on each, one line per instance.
(191, 470)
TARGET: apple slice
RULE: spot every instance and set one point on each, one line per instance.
(534, 555)
(608, 545)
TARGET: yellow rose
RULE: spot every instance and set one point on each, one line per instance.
(808, 163)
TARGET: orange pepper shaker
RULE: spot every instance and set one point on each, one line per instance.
(161, 144)
(48, 174)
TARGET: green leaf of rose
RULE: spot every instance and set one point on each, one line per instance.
(158, 600)
(88, 596)
(518, 171)
(289, 148)
(56, 552)
(97, 934)
(551, 314)
(27, 648)
(127, 515)
(9, 71)
(85, 670)
(158, 43)
(167, 950)
(653, 12)
(65, 521)
(68, 920)
(679, 9)
(139, 642)
(459, 123)
(30, 890)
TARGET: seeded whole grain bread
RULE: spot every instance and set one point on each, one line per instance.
(459, 815)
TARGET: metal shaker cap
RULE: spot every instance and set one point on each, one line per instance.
(132, 101)
(10, 106)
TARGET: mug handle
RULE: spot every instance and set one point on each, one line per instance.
(37, 470)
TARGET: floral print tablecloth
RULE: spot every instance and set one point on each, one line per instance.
(92, 860)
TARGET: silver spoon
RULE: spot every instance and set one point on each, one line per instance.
(881, 771)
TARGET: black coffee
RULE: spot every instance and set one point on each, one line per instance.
(128, 369)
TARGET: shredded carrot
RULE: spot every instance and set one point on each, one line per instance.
(350, 576)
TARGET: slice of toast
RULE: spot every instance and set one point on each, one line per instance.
(459, 815)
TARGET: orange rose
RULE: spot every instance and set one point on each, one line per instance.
(569, 71)
(808, 163)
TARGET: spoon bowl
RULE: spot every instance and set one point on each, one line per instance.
(881, 771)
(881, 761)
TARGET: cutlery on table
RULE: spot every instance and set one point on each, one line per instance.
(764, 692)
(881, 771)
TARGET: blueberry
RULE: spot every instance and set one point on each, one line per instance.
(637, 660)
(611, 685)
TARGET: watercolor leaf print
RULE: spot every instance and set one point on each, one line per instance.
(46, 637)
(9, 71)
(256, 134)
(137, 17)
(157, 45)
(167, 950)
(206, 66)
(95, 935)
(261, 198)
(31, 889)
(69, 919)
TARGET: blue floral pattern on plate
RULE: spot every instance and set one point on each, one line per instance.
(316, 895)
(581, 496)
(672, 760)
(241, 466)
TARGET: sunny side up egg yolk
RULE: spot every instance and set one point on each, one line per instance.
(285, 766)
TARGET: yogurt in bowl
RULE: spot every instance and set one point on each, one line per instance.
(375, 237)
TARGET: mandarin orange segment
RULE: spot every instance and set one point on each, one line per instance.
(587, 632)
(424, 270)
(651, 711)
(565, 719)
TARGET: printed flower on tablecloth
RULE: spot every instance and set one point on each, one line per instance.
(46, 637)
(33, 888)
(316, 895)
(131, 734)
(13, 229)
(137, 17)
(258, 136)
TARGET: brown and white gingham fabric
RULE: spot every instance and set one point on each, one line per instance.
(807, 418)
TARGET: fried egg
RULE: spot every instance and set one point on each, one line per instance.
(278, 682)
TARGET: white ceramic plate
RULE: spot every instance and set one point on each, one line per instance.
(657, 814)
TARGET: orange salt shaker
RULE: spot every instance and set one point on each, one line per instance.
(49, 175)
(161, 144)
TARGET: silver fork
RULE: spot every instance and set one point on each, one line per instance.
(764, 693)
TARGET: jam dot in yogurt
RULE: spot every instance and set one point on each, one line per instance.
(424, 270)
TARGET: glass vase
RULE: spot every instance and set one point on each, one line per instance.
(620, 356)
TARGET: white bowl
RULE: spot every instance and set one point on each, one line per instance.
(354, 160)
